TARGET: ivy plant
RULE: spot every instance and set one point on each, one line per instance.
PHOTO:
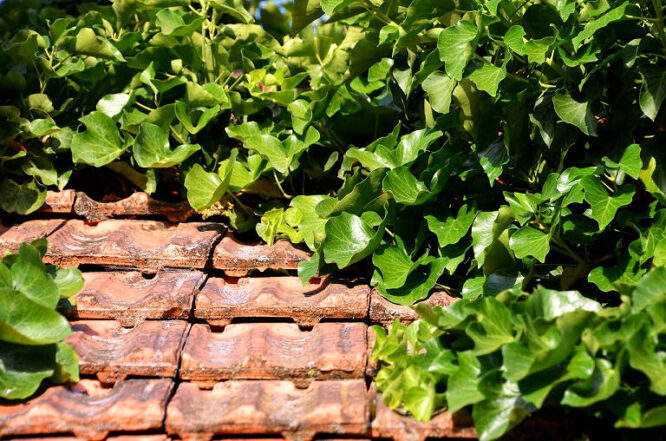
(481, 147)
(508, 355)
(31, 330)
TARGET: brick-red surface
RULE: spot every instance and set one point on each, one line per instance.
(110, 438)
(219, 302)
(61, 202)
(129, 297)
(275, 351)
(255, 373)
(269, 407)
(88, 411)
(138, 204)
(111, 352)
(384, 312)
(12, 237)
(236, 258)
(144, 244)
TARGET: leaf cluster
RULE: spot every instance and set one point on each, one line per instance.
(31, 330)
(509, 355)
(468, 145)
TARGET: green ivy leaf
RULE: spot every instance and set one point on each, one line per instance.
(404, 187)
(151, 148)
(493, 159)
(643, 356)
(22, 369)
(493, 326)
(113, 104)
(205, 189)
(30, 278)
(303, 13)
(487, 78)
(420, 282)
(394, 264)
(599, 23)
(173, 23)
(653, 90)
(69, 281)
(630, 162)
(449, 229)
(601, 385)
(89, 43)
(100, 144)
(23, 321)
(576, 113)
(604, 206)
(463, 386)
(529, 241)
(486, 228)
(625, 273)
(21, 198)
(456, 45)
(67, 365)
(502, 409)
(650, 290)
(439, 88)
(350, 238)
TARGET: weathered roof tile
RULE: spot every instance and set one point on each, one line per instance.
(88, 411)
(106, 349)
(138, 204)
(269, 407)
(140, 243)
(129, 297)
(12, 237)
(383, 311)
(219, 302)
(237, 259)
(275, 351)
(391, 425)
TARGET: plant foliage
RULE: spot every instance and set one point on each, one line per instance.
(511, 354)
(476, 146)
(31, 330)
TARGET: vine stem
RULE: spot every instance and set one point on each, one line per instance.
(660, 24)
(277, 181)
(240, 204)
(567, 250)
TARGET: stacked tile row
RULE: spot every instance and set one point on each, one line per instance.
(179, 347)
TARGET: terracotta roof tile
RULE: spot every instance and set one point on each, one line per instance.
(236, 259)
(129, 297)
(389, 424)
(269, 407)
(219, 302)
(12, 237)
(275, 351)
(88, 411)
(61, 202)
(111, 352)
(138, 204)
(384, 312)
(144, 243)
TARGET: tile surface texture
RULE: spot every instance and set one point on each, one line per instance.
(138, 204)
(88, 411)
(129, 297)
(237, 259)
(269, 407)
(285, 297)
(111, 352)
(141, 243)
(12, 237)
(275, 351)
